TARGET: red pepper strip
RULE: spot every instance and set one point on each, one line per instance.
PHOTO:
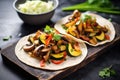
(57, 61)
(42, 63)
(65, 54)
(107, 37)
(47, 41)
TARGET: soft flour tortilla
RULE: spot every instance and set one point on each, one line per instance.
(27, 59)
(100, 20)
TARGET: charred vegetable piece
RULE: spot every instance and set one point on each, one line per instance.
(93, 40)
(80, 28)
(71, 23)
(84, 37)
(75, 14)
(72, 52)
(37, 35)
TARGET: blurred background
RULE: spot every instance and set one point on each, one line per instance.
(10, 24)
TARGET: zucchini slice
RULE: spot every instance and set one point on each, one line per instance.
(72, 52)
(101, 36)
(57, 56)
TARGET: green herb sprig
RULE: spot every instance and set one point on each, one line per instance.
(56, 37)
(6, 38)
(107, 72)
(48, 29)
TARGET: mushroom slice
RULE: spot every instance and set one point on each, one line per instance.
(28, 47)
(37, 50)
(45, 49)
(46, 57)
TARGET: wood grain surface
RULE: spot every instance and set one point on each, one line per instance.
(93, 52)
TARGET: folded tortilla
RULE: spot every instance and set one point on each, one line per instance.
(100, 20)
(31, 61)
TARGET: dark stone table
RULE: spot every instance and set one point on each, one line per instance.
(10, 24)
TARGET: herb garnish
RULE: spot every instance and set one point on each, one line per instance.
(48, 29)
(56, 37)
(85, 17)
(110, 19)
(6, 38)
(107, 72)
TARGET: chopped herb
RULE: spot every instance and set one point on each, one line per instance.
(56, 37)
(48, 29)
(110, 19)
(107, 72)
(7, 38)
(85, 17)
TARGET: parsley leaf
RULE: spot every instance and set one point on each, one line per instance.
(107, 72)
(56, 37)
(85, 17)
(110, 19)
(48, 29)
(6, 38)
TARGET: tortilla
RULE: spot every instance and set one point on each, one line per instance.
(31, 61)
(100, 20)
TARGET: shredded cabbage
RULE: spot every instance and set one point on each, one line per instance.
(35, 7)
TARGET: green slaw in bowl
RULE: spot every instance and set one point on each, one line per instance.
(35, 6)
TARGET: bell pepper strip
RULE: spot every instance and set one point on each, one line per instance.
(107, 37)
(42, 63)
(60, 61)
(65, 54)
(47, 41)
(57, 61)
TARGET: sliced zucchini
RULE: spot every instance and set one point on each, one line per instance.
(72, 52)
(57, 56)
(101, 36)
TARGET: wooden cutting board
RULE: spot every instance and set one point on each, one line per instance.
(93, 52)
